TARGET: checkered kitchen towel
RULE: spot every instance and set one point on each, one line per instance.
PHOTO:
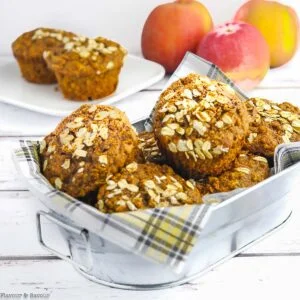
(163, 235)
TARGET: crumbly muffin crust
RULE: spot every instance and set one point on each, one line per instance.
(87, 146)
(28, 49)
(87, 68)
(141, 186)
(148, 148)
(272, 124)
(248, 169)
(200, 125)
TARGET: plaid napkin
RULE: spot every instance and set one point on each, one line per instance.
(163, 235)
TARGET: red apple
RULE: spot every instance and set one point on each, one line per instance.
(172, 29)
(239, 50)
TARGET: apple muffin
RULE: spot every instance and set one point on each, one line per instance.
(28, 49)
(87, 146)
(86, 68)
(141, 186)
(148, 148)
(247, 170)
(271, 124)
(200, 125)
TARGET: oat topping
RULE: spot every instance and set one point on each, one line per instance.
(247, 170)
(45, 164)
(51, 148)
(227, 119)
(110, 65)
(195, 111)
(243, 170)
(167, 131)
(260, 158)
(66, 164)
(80, 170)
(251, 137)
(87, 47)
(77, 136)
(42, 145)
(84, 46)
(102, 115)
(271, 112)
(146, 186)
(80, 153)
(132, 167)
(219, 124)
(40, 34)
(58, 183)
(83, 151)
(130, 205)
(191, 184)
(103, 159)
(103, 132)
(149, 148)
(92, 108)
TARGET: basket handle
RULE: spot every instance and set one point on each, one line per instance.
(83, 233)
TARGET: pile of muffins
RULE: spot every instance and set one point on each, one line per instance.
(205, 140)
(85, 68)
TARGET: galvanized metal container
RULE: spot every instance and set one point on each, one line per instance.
(230, 227)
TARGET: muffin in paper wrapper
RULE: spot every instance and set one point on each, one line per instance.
(162, 235)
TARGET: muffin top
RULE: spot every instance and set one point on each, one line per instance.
(32, 44)
(87, 146)
(148, 148)
(83, 56)
(200, 124)
(248, 169)
(272, 124)
(141, 186)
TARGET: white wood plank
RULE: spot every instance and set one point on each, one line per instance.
(240, 278)
(17, 224)
(8, 175)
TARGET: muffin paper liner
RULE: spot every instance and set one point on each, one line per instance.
(163, 235)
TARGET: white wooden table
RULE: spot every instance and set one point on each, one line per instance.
(268, 270)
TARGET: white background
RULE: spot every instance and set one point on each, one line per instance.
(121, 20)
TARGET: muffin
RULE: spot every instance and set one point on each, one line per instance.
(28, 50)
(141, 186)
(87, 146)
(85, 68)
(148, 148)
(248, 169)
(272, 124)
(200, 125)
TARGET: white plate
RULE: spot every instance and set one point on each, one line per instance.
(136, 74)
